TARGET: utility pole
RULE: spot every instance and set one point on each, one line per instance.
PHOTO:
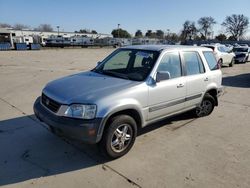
(118, 30)
(57, 30)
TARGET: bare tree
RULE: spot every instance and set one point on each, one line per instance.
(236, 25)
(44, 27)
(20, 26)
(189, 30)
(5, 25)
(206, 24)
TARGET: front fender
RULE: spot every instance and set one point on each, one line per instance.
(111, 109)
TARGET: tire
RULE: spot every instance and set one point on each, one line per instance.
(206, 107)
(220, 63)
(245, 60)
(118, 137)
(232, 62)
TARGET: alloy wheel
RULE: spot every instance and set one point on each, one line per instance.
(121, 138)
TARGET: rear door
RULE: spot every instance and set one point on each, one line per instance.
(168, 96)
(196, 79)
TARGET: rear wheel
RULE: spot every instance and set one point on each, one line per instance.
(206, 107)
(119, 137)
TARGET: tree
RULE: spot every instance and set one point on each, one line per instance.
(83, 31)
(149, 33)
(221, 37)
(20, 26)
(44, 27)
(206, 24)
(138, 33)
(159, 34)
(87, 31)
(236, 25)
(173, 37)
(5, 25)
(189, 30)
(232, 38)
(120, 33)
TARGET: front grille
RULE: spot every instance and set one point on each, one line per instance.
(240, 55)
(50, 103)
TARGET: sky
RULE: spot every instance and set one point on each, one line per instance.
(104, 15)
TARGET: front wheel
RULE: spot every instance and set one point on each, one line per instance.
(119, 137)
(206, 107)
(232, 62)
(220, 63)
(245, 60)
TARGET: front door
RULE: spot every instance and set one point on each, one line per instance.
(167, 96)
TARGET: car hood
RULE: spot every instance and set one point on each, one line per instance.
(86, 87)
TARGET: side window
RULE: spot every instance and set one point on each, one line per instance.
(193, 63)
(212, 63)
(171, 63)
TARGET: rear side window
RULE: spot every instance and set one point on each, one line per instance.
(193, 63)
(212, 63)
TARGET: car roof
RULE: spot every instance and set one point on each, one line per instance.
(163, 47)
(241, 47)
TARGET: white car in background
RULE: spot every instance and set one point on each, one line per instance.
(222, 54)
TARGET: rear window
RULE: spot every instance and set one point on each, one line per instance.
(212, 63)
(211, 47)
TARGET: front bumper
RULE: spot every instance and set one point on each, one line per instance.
(83, 130)
(240, 59)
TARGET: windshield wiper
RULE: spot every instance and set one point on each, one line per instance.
(116, 74)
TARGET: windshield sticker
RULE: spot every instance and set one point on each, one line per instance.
(143, 54)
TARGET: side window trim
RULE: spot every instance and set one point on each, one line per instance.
(201, 63)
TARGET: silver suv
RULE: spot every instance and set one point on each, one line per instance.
(131, 88)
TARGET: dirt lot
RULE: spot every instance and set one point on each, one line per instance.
(179, 152)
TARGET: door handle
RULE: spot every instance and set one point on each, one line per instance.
(206, 79)
(180, 85)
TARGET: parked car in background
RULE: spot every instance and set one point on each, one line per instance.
(222, 54)
(241, 54)
(244, 45)
(133, 87)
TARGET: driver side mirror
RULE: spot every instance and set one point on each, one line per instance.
(162, 75)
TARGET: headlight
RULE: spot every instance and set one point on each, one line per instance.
(81, 111)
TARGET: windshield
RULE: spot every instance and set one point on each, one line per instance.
(128, 64)
(240, 49)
